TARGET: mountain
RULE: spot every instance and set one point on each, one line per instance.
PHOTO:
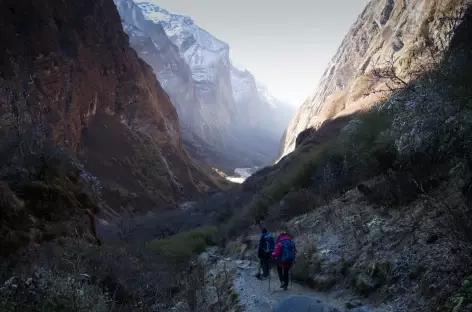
(70, 63)
(221, 107)
(386, 30)
(384, 191)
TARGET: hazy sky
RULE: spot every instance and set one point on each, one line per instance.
(286, 44)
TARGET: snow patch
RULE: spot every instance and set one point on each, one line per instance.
(241, 174)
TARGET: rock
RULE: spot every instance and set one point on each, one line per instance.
(243, 264)
(10, 281)
(209, 257)
(181, 306)
(354, 303)
(322, 282)
(364, 284)
(204, 257)
(242, 252)
(345, 80)
(303, 303)
(211, 295)
(102, 99)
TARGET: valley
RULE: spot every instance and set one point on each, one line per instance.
(228, 119)
(139, 166)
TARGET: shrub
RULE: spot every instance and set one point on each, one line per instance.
(461, 301)
(295, 203)
(73, 275)
(181, 247)
(48, 200)
(52, 290)
(307, 265)
(322, 171)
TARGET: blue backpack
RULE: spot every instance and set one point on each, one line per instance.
(288, 251)
(269, 243)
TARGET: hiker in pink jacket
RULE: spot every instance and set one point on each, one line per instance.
(284, 253)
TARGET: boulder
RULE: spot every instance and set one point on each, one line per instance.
(322, 282)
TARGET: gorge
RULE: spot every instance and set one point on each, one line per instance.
(120, 123)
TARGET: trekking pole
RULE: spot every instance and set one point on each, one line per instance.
(259, 268)
(291, 277)
(269, 272)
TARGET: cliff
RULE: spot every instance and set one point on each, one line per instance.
(221, 108)
(387, 34)
(71, 62)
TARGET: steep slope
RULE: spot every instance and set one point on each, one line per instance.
(387, 33)
(71, 61)
(381, 207)
(218, 105)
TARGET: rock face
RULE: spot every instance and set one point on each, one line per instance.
(386, 30)
(74, 62)
(222, 108)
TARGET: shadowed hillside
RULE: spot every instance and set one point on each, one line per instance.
(69, 67)
(380, 199)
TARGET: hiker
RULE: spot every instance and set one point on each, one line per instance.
(285, 252)
(264, 252)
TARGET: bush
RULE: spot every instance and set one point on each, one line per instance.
(73, 275)
(307, 265)
(322, 170)
(181, 247)
(295, 203)
(51, 290)
(48, 200)
(462, 301)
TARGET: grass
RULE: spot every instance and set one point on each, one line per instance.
(180, 248)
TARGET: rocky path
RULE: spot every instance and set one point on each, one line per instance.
(256, 295)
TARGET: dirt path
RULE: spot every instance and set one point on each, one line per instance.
(256, 296)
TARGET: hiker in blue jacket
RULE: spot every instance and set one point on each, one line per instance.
(266, 247)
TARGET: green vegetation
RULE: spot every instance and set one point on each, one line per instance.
(307, 265)
(412, 150)
(181, 247)
(462, 301)
(356, 153)
(414, 138)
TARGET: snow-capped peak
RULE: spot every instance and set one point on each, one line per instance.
(201, 51)
(238, 66)
(180, 27)
(207, 58)
(156, 13)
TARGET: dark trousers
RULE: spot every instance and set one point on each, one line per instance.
(265, 266)
(283, 274)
